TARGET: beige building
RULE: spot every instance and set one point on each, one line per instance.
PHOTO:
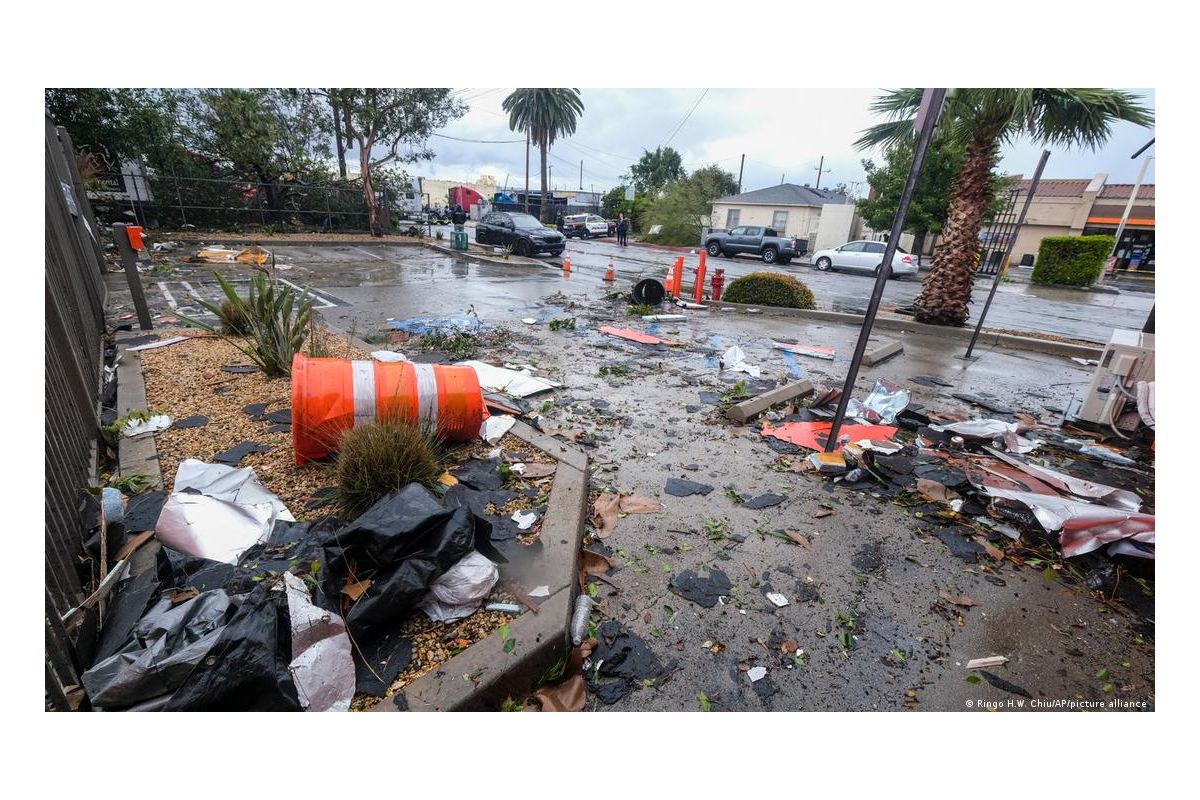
(1085, 207)
(793, 211)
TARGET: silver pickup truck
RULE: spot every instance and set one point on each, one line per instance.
(766, 243)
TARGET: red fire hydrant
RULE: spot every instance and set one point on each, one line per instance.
(718, 283)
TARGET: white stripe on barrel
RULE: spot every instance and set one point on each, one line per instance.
(427, 398)
(363, 373)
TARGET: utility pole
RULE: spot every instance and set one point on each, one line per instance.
(821, 169)
(740, 170)
(526, 172)
(581, 174)
(782, 175)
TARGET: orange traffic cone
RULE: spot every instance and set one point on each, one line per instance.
(610, 275)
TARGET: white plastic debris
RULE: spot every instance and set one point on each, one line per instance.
(494, 427)
(540, 591)
(983, 663)
(529, 321)
(159, 343)
(734, 360)
(459, 591)
(509, 381)
(887, 448)
(388, 356)
(756, 673)
(779, 600)
(217, 511)
(579, 619)
(322, 667)
(978, 428)
(136, 427)
(524, 519)
(664, 318)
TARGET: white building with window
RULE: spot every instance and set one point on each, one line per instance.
(792, 210)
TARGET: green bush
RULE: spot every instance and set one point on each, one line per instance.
(769, 289)
(376, 459)
(233, 318)
(1071, 260)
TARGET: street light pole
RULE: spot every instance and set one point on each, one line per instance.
(931, 105)
(1112, 257)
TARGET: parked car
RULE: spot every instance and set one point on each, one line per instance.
(522, 232)
(584, 226)
(863, 256)
(766, 243)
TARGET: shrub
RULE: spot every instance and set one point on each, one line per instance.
(769, 289)
(277, 322)
(381, 457)
(1071, 260)
(233, 318)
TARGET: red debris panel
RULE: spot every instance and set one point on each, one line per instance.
(631, 335)
(814, 435)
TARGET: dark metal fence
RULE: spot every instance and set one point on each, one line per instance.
(175, 203)
(994, 240)
(74, 353)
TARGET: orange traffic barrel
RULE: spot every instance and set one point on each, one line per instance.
(333, 395)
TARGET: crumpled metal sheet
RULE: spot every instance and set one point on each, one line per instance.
(887, 400)
(1108, 495)
(217, 511)
(322, 666)
(1083, 527)
(509, 381)
(167, 643)
(494, 427)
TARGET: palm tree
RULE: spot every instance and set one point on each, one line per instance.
(980, 121)
(543, 114)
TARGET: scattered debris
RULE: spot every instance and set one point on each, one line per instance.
(524, 519)
(779, 600)
(701, 591)
(512, 382)
(677, 487)
(457, 593)
(631, 335)
(159, 343)
(734, 360)
(882, 353)
(136, 426)
(990, 661)
(826, 353)
(747, 409)
(495, 427)
(756, 674)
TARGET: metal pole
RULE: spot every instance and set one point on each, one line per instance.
(741, 169)
(129, 261)
(820, 169)
(581, 174)
(931, 104)
(1112, 264)
(1012, 240)
(526, 172)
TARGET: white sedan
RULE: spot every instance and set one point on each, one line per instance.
(864, 256)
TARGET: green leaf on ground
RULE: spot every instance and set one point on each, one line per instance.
(973, 679)
(705, 704)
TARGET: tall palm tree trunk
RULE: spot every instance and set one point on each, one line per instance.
(947, 290)
(544, 209)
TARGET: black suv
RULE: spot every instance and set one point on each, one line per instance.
(522, 232)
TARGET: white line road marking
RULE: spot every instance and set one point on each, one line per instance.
(187, 286)
(162, 286)
(310, 291)
(365, 253)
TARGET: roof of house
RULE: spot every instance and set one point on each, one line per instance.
(1122, 190)
(786, 194)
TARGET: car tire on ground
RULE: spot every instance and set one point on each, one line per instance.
(714, 249)
(823, 264)
(769, 255)
(522, 248)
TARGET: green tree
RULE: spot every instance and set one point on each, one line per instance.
(927, 211)
(684, 207)
(979, 121)
(545, 115)
(113, 125)
(654, 170)
(390, 126)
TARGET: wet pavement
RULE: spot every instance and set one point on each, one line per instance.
(360, 274)
(863, 600)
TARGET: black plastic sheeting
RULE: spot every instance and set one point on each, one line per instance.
(625, 660)
(221, 634)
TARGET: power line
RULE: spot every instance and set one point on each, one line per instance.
(686, 118)
(481, 141)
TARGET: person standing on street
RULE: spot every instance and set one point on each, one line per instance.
(622, 231)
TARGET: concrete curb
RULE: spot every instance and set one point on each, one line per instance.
(510, 261)
(481, 677)
(403, 241)
(140, 454)
(986, 337)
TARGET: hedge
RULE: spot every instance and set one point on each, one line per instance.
(769, 289)
(1071, 260)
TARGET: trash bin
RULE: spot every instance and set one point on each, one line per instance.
(458, 238)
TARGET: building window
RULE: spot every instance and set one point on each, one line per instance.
(732, 217)
(779, 221)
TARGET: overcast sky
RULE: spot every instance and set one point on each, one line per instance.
(783, 133)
